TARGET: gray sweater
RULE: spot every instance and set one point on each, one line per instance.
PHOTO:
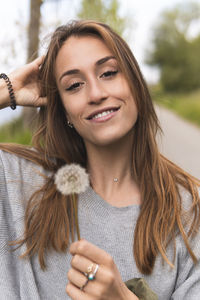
(106, 226)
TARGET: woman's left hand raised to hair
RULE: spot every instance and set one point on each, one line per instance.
(107, 283)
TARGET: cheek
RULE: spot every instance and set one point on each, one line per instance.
(71, 108)
(131, 109)
(121, 90)
(134, 109)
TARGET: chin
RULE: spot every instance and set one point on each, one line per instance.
(109, 140)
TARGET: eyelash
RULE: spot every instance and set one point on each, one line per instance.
(74, 86)
(77, 85)
(109, 74)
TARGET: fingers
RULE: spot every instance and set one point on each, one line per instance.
(104, 280)
(39, 60)
(84, 265)
(78, 285)
(79, 282)
(91, 252)
(75, 293)
(76, 277)
(42, 101)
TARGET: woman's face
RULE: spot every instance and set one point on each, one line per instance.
(94, 91)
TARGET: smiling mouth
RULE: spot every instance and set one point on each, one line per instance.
(103, 113)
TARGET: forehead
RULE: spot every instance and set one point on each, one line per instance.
(78, 52)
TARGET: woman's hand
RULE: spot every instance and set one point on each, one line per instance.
(107, 283)
(25, 84)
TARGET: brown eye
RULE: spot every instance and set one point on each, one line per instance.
(109, 74)
(74, 86)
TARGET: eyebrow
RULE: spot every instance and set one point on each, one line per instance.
(98, 63)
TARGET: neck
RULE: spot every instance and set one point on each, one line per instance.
(110, 167)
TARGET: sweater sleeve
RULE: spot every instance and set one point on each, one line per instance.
(18, 180)
(9, 286)
(188, 278)
(188, 281)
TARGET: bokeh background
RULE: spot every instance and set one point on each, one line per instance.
(164, 37)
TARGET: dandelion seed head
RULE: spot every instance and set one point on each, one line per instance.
(71, 179)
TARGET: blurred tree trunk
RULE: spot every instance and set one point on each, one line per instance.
(29, 113)
(33, 29)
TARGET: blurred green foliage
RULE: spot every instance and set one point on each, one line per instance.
(186, 105)
(103, 11)
(15, 132)
(175, 52)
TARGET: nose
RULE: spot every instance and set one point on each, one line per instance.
(96, 92)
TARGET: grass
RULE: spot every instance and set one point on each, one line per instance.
(15, 132)
(186, 105)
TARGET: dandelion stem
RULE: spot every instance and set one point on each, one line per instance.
(76, 215)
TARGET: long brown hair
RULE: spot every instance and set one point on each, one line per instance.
(49, 215)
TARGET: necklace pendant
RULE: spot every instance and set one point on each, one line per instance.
(115, 179)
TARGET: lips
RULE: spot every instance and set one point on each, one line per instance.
(102, 112)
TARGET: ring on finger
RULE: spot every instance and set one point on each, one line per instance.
(84, 285)
(89, 268)
(91, 276)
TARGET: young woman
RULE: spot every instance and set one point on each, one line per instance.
(140, 216)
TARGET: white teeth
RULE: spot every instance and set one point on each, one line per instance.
(104, 113)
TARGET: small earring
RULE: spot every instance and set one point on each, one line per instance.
(70, 124)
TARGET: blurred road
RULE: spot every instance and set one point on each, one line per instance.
(180, 141)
